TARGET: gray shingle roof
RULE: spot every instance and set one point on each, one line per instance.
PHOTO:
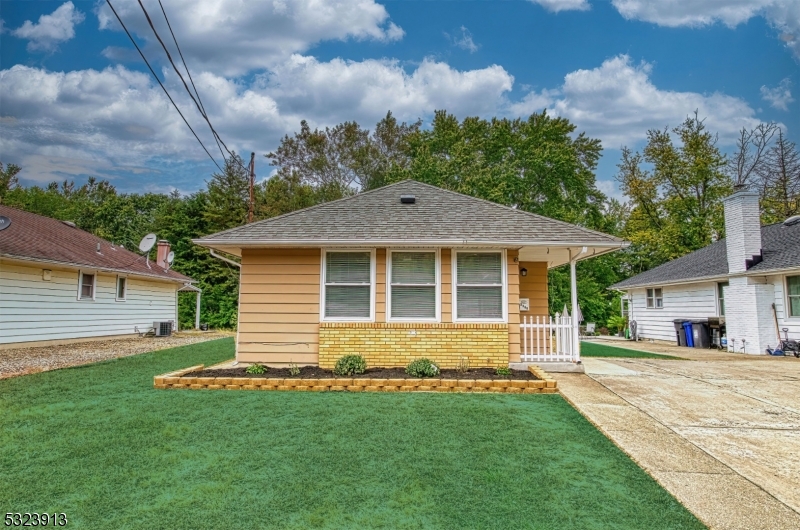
(780, 249)
(437, 216)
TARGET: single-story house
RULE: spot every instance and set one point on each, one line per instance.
(61, 284)
(404, 271)
(738, 279)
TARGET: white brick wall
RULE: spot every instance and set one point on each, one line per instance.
(742, 229)
(748, 314)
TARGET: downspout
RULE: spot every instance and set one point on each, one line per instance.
(226, 260)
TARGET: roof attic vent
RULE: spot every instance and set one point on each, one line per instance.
(793, 220)
(69, 223)
(408, 199)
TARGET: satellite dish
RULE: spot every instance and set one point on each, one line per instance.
(147, 242)
(4, 222)
(170, 257)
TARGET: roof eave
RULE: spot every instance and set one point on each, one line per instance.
(699, 279)
(98, 268)
(279, 243)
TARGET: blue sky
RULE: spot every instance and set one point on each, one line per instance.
(77, 101)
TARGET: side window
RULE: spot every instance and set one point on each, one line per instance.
(655, 298)
(86, 286)
(793, 295)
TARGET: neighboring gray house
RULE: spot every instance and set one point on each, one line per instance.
(738, 278)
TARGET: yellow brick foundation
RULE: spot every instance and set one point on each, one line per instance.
(397, 344)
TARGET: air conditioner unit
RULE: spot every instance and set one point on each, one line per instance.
(163, 329)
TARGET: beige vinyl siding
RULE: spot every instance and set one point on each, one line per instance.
(447, 285)
(33, 309)
(279, 306)
(534, 288)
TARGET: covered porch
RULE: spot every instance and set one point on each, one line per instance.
(546, 338)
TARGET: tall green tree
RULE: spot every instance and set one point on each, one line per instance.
(228, 200)
(675, 188)
(8, 179)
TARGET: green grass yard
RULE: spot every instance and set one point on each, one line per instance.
(593, 349)
(100, 444)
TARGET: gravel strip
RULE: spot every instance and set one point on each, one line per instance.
(22, 361)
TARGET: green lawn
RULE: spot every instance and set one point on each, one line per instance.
(100, 444)
(593, 349)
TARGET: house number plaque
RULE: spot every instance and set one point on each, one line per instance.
(524, 304)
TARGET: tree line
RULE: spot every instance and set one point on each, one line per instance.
(673, 190)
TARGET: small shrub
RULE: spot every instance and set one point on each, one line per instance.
(603, 330)
(422, 368)
(350, 365)
(294, 370)
(504, 371)
(463, 365)
(256, 369)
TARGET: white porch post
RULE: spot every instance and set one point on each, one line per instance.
(573, 288)
(197, 312)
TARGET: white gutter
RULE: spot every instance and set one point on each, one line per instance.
(403, 242)
(226, 260)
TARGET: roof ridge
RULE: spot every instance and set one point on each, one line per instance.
(503, 206)
(306, 209)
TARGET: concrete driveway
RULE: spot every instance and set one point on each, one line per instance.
(722, 435)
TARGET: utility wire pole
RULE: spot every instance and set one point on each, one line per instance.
(252, 183)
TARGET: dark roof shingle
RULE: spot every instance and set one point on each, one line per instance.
(438, 215)
(35, 237)
(780, 250)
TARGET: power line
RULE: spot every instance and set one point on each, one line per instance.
(161, 84)
(186, 86)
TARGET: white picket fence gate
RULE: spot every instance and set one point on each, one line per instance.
(547, 338)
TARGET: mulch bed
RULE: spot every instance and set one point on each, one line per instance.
(314, 372)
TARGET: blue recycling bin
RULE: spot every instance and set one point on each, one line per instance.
(687, 330)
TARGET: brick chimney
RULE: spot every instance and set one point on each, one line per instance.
(742, 229)
(161, 254)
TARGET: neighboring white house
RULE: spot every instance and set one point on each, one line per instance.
(59, 283)
(738, 278)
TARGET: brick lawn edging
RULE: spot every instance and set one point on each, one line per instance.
(176, 379)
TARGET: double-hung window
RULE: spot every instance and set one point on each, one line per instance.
(655, 298)
(479, 286)
(348, 285)
(413, 285)
(122, 288)
(721, 288)
(793, 295)
(86, 286)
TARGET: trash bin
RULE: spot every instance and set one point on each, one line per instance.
(679, 332)
(687, 329)
(701, 338)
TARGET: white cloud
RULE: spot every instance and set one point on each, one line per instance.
(780, 96)
(52, 29)
(464, 40)
(784, 15)
(618, 103)
(117, 117)
(232, 37)
(563, 5)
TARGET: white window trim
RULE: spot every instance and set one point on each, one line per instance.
(438, 289)
(373, 274)
(81, 272)
(647, 298)
(116, 288)
(787, 308)
(454, 283)
(717, 289)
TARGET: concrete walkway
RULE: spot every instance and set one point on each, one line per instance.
(722, 435)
